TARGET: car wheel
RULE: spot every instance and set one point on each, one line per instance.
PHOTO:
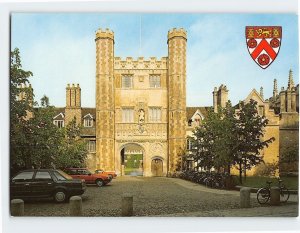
(110, 177)
(60, 196)
(99, 182)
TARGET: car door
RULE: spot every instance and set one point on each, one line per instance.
(21, 184)
(42, 184)
(84, 174)
(75, 174)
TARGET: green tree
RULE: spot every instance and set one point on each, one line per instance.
(225, 144)
(231, 138)
(203, 140)
(19, 109)
(73, 150)
(45, 138)
(34, 140)
(214, 142)
(250, 137)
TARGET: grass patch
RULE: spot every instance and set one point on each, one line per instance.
(260, 181)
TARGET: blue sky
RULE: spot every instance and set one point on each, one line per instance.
(59, 48)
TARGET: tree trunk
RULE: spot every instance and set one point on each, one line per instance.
(245, 171)
(228, 169)
(241, 171)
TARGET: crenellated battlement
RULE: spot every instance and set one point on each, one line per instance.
(177, 32)
(73, 85)
(73, 95)
(140, 63)
(107, 33)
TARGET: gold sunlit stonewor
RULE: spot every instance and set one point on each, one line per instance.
(141, 109)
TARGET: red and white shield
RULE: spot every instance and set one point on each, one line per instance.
(263, 43)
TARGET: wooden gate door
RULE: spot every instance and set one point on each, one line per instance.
(157, 167)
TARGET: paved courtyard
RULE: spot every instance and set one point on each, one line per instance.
(161, 197)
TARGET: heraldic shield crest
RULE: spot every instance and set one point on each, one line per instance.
(263, 43)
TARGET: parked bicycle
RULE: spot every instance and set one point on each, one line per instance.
(263, 194)
(209, 179)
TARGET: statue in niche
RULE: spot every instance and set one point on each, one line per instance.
(141, 116)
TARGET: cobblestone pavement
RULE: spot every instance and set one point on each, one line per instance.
(154, 197)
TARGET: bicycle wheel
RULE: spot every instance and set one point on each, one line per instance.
(284, 194)
(263, 196)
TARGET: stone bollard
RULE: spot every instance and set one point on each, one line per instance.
(122, 170)
(75, 206)
(127, 204)
(245, 197)
(17, 207)
(275, 196)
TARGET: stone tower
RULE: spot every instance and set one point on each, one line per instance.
(275, 90)
(177, 39)
(73, 103)
(261, 92)
(289, 121)
(105, 99)
(288, 97)
(26, 94)
(220, 97)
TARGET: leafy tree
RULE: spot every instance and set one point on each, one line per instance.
(34, 140)
(20, 106)
(250, 132)
(214, 143)
(225, 143)
(231, 138)
(73, 150)
(45, 138)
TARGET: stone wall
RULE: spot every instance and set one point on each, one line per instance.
(289, 139)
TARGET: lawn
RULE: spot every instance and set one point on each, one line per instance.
(260, 181)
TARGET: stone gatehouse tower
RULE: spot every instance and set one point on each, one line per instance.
(141, 104)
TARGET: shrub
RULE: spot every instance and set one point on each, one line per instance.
(266, 169)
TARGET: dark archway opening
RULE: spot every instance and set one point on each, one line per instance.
(132, 160)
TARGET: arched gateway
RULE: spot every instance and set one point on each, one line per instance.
(132, 159)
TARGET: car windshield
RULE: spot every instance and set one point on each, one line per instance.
(60, 175)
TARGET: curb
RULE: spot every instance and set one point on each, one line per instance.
(254, 190)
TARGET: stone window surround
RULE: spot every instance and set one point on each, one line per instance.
(157, 78)
(91, 146)
(88, 120)
(130, 77)
(59, 123)
(127, 114)
(188, 144)
(150, 111)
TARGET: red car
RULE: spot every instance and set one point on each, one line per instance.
(111, 174)
(90, 178)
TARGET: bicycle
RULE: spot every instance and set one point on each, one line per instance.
(263, 194)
